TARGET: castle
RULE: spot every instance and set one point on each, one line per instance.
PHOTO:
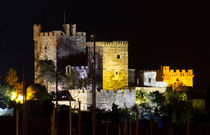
(111, 57)
(111, 64)
(175, 77)
(166, 77)
(72, 54)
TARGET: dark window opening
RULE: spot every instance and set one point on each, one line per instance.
(118, 56)
(45, 48)
(150, 80)
(116, 73)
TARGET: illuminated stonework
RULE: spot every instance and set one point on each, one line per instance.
(115, 65)
(44, 49)
(124, 98)
(114, 59)
(175, 78)
(45, 44)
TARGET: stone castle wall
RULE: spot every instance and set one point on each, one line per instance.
(44, 49)
(175, 77)
(46, 43)
(115, 65)
(104, 99)
(151, 89)
(112, 61)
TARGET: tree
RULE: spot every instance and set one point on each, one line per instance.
(171, 105)
(41, 93)
(141, 97)
(6, 92)
(40, 104)
(47, 71)
(177, 103)
(11, 77)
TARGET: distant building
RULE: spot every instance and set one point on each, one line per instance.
(165, 77)
(175, 78)
(148, 79)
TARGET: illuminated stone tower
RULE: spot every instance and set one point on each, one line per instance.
(44, 49)
(45, 44)
(112, 62)
(175, 77)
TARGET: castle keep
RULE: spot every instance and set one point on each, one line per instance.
(67, 42)
(112, 62)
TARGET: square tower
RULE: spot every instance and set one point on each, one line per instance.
(113, 62)
(56, 42)
(44, 49)
(115, 65)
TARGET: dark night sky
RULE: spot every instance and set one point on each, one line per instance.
(174, 33)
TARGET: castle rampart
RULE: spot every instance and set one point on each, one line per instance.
(112, 44)
(175, 77)
(47, 34)
(123, 98)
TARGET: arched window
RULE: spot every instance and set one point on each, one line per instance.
(45, 49)
(68, 70)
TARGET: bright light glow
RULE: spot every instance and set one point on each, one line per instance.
(19, 99)
(13, 95)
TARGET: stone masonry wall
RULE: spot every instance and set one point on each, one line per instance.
(45, 44)
(104, 98)
(174, 77)
(115, 65)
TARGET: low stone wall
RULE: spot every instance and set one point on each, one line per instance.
(104, 99)
(124, 98)
(151, 89)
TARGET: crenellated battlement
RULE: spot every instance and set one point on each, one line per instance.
(182, 72)
(105, 98)
(176, 77)
(113, 44)
(82, 70)
(118, 91)
(47, 34)
(79, 67)
(80, 33)
(37, 26)
(36, 30)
